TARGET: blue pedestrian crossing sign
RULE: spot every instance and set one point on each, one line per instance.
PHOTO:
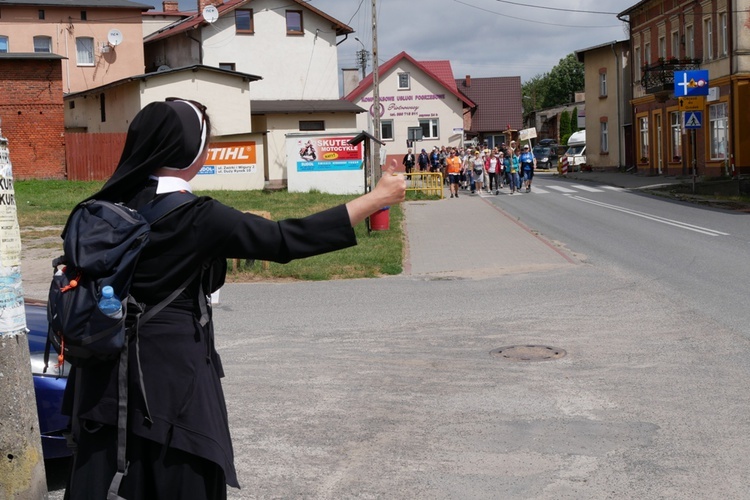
(687, 83)
(693, 119)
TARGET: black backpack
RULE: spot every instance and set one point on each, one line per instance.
(102, 243)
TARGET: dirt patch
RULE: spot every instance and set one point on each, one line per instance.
(38, 247)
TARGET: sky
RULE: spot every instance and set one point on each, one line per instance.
(481, 38)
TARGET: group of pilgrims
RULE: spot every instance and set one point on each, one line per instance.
(477, 169)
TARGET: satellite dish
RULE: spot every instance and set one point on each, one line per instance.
(163, 67)
(210, 13)
(114, 37)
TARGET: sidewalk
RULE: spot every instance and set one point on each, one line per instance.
(465, 236)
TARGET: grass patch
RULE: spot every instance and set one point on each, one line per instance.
(47, 203)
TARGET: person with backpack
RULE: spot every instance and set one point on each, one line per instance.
(178, 440)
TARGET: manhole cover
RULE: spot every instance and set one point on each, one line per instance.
(528, 353)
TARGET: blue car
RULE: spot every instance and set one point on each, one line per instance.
(49, 387)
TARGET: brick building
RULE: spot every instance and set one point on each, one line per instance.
(686, 35)
(32, 114)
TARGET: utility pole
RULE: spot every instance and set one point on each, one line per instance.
(22, 473)
(377, 172)
(363, 55)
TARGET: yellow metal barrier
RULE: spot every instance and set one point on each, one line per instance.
(430, 183)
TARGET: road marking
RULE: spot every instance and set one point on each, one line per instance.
(655, 218)
(614, 188)
(562, 189)
(539, 191)
(587, 188)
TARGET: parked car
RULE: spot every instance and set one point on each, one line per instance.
(545, 156)
(576, 152)
(546, 142)
(48, 387)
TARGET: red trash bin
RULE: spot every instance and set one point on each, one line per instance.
(381, 220)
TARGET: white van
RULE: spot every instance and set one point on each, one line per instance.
(576, 152)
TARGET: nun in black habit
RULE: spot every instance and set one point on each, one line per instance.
(183, 449)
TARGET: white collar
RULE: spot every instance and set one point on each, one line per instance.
(169, 184)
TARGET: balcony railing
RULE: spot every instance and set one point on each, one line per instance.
(658, 77)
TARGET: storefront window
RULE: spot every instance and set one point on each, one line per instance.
(675, 142)
(717, 126)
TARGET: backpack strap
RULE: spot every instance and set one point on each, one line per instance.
(152, 212)
(157, 209)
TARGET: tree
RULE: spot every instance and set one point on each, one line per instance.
(565, 130)
(563, 81)
(533, 92)
(574, 120)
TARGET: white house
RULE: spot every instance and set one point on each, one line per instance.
(413, 94)
(236, 153)
(289, 43)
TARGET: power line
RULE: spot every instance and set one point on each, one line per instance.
(535, 21)
(557, 8)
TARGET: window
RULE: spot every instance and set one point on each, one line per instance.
(41, 14)
(603, 84)
(84, 16)
(3, 44)
(689, 42)
(675, 136)
(294, 22)
(724, 47)
(243, 21)
(717, 129)
(309, 125)
(708, 39)
(85, 51)
(605, 137)
(43, 44)
(663, 47)
(404, 81)
(429, 128)
(102, 108)
(643, 135)
(638, 63)
(646, 53)
(675, 48)
(386, 130)
(227, 66)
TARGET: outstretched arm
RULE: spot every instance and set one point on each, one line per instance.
(390, 189)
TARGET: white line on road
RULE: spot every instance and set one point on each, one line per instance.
(562, 189)
(587, 188)
(655, 218)
(614, 188)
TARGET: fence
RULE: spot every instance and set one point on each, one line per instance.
(92, 157)
(430, 183)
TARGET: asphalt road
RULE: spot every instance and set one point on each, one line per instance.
(390, 388)
(697, 252)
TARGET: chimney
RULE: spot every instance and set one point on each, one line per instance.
(467, 82)
(170, 6)
(203, 3)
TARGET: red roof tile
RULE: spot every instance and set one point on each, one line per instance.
(498, 101)
(445, 76)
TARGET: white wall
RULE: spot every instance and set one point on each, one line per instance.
(292, 67)
(426, 98)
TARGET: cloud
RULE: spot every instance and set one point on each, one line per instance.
(480, 38)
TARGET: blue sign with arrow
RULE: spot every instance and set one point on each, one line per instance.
(689, 83)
